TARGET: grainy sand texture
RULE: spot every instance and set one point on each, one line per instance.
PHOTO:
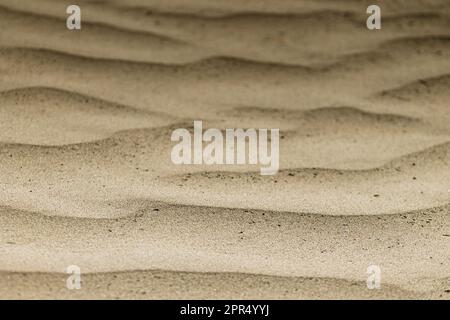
(86, 177)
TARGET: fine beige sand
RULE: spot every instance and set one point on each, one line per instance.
(86, 177)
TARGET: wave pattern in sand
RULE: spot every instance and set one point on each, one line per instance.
(86, 177)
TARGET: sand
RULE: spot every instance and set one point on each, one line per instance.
(86, 177)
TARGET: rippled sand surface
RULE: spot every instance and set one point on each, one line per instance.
(86, 177)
